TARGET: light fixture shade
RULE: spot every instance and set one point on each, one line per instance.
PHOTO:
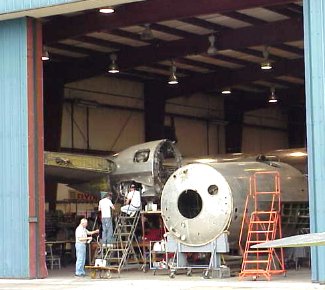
(147, 34)
(173, 78)
(273, 98)
(212, 49)
(107, 10)
(266, 64)
(226, 91)
(45, 55)
(113, 67)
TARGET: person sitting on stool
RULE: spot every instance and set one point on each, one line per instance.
(133, 202)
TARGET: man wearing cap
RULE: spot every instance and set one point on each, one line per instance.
(105, 205)
(133, 201)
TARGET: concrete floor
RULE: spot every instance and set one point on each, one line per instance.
(137, 280)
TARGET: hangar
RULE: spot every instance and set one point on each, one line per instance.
(208, 47)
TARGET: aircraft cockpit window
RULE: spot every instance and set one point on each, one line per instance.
(141, 156)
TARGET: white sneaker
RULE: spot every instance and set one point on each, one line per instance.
(132, 214)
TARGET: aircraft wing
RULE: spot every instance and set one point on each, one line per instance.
(313, 239)
(75, 168)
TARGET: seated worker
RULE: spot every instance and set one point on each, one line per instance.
(132, 202)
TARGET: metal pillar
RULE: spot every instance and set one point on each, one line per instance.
(154, 112)
(21, 148)
(234, 129)
(314, 31)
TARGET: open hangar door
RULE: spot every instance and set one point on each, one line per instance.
(210, 47)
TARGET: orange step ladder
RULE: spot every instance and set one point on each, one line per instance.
(264, 224)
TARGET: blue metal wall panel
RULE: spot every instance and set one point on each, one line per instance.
(9, 6)
(14, 245)
(314, 26)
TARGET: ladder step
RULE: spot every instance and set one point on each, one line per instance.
(259, 232)
(262, 222)
(253, 271)
(114, 259)
(257, 251)
(256, 242)
(123, 234)
(128, 217)
(255, 261)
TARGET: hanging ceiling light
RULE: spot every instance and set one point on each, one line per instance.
(107, 10)
(147, 34)
(173, 78)
(226, 91)
(273, 98)
(113, 68)
(45, 55)
(266, 64)
(212, 50)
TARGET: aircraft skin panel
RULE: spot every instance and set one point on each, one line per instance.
(73, 168)
(313, 239)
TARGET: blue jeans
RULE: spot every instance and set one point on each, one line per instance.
(107, 234)
(81, 258)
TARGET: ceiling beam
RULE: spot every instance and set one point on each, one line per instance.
(293, 97)
(143, 12)
(226, 78)
(128, 58)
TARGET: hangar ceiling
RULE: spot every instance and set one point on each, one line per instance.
(80, 45)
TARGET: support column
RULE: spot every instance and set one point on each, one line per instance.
(296, 129)
(154, 112)
(53, 109)
(21, 145)
(314, 29)
(234, 128)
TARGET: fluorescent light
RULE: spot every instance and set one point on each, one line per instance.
(273, 98)
(298, 154)
(107, 10)
(212, 49)
(173, 78)
(45, 55)
(113, 67)
(266, 65)
(147, 34)
(226, 91)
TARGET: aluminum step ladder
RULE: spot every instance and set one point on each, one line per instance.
(123, 252)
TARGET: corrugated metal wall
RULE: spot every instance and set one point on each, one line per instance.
(314, 25)
(14, 244)
(19, 5)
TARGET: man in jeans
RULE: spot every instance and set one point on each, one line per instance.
(81, 239)
(105, 206)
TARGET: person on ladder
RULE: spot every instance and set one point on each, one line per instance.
(132, 202)
(105, 205)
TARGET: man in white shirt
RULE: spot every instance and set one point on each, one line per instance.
(81, 240)
(133, 201)
(105, 206)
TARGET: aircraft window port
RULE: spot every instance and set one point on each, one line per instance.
(189, 204)
(213, 189)
(141, 156)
